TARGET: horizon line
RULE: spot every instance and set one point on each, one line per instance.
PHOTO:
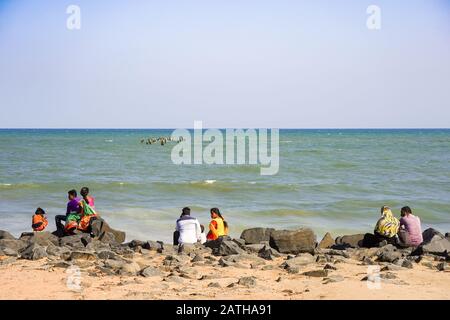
(242, 128)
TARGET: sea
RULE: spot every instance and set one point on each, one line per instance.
(331, 180)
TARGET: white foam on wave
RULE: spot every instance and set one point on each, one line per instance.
(6, 184)
(109, 140)
(210, 181)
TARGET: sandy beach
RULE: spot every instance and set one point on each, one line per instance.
(201, 275)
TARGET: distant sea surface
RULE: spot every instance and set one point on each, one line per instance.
(329, 180)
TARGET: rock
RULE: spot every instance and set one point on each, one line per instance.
(135, 243)
(368, 262)
(12, 244)
(186, 248)
(352, 241)
(430, 233)
(214, 285)
(256, 235)
(320, 273)
(329, 267)
(9, 252)
(298, 241)
(268, 267)
(268, 253)
(33, 252)
(43, 238)
(321, 259)
(152, 245)
(7, 261)
(107, 254)
(333, 279)
(239, 242)
(326, 242)
(388, 253)
(100, 228)
(226, 263)
(301, 260)
(407, 264)
(293, 269)
(151, 272)
(391, 267)
(98, 246)
(59, 252)
(78, 241)
(114, 265)
(436, 246)
(130, 269)
(226, 248)
(198, 258)
(333, 252)
(247, 281)
(254, 248)
(388, 275)
(6, 235)
(443, 266)
(82, 255)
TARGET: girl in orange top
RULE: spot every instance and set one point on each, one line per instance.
(218, 227)
(39, 222)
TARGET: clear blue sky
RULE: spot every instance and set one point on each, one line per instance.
(230, 63)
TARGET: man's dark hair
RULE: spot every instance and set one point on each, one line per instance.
(73, 192)
(406, 210)
(186, 211)
(84, 191)
(40, 211)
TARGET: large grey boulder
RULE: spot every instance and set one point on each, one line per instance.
(227, 248)
(13, 244)
(43, 238)
(256, 235)
(431, 233)
(6, 235)
(297, 241)
(78, 241)
(100, 229)
(352, 241)
(437, 246)
(33, 251)
(388, 253)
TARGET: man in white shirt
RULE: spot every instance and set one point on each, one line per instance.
(188, 228)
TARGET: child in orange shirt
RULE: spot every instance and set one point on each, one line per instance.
(39, 220)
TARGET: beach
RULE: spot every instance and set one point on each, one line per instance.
(36, 280)
(49, 268)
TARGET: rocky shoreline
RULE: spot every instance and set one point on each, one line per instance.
(280, 253)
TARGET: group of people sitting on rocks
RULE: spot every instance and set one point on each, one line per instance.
(189, 231)
(79, 215)
(406, 232)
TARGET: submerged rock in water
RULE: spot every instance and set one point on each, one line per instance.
(298, 241)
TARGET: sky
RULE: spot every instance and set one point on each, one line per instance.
(228, 63)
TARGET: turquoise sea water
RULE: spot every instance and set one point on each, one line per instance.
(330, 180)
